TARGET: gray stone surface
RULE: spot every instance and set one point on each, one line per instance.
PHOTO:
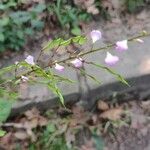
(133, 62)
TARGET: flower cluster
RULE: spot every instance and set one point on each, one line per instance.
(120, 46)
(95, 35)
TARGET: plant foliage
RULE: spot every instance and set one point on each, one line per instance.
(16, 23)
(133, 5)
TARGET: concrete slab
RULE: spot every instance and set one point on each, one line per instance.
(133, 63)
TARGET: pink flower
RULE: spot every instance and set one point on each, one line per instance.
(110, 59)
(122, 45)
(24, 79)
(59, 67)
(139, 40)
(16, 62)
(30, 60)
(77, 62)
(96, 35)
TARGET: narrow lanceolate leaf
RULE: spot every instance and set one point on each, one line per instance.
(63, 79)
(79, 39)
(65, 42)
(82, 40)
(53, 87)
(76, 39)
(5, 108)
(7, 69)
(60, 42)
(90, 76)
(99, 142)
(118, 76)
(52, 44)
(60, 96)
(2, 133)
(76, 31)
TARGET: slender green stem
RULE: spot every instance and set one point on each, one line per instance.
(87, 52)
(101, 48)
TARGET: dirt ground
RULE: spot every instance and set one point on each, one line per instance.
(137, 135)
(109, 126)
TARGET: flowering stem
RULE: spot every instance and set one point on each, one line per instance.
(102, 48)
(83, 54)
(91, 51)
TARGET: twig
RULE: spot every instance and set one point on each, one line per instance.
(16, 125)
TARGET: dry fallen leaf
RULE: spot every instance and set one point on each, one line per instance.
(146, 106)
(93, 10)
(69, 136)
(88, 146)
(33, 123)
(101, 105)
(42, 121)
(21, 135)
(31, 134)
(89, 5)
(79, 116)
(78, 111)
(138, 118)
(34, 119)
(112, 114)
(33, 113)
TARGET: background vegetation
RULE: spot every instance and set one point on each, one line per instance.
(21, 18)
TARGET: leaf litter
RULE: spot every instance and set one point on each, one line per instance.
(70, 129)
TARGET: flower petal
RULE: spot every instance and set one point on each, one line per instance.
(77, 62)
(24, 79)
(111, 59)
(16, 62)
(59, 67)
(122, 45)
(30, 60)
(96, 35)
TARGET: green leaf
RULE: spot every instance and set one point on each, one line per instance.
(63, 79)
(2, 38)
(29, 31)
(76, 39)
(11, 4)
(2, 133)
(60, 96)
(5, 109)
(20, 34)
(20, 17)
(79, 39)
(118, 76)
(52, 44)
(82, 40)
(99, 143)
(133, 5)
(53, 87)
(65, 42)
(39, 8)
(4, 21)
(7, 69)
(2, 7)
(59, 42)
(76, 31)
(37, 24)
(90, 76)
(50, 128)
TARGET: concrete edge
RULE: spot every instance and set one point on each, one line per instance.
(140, 86)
